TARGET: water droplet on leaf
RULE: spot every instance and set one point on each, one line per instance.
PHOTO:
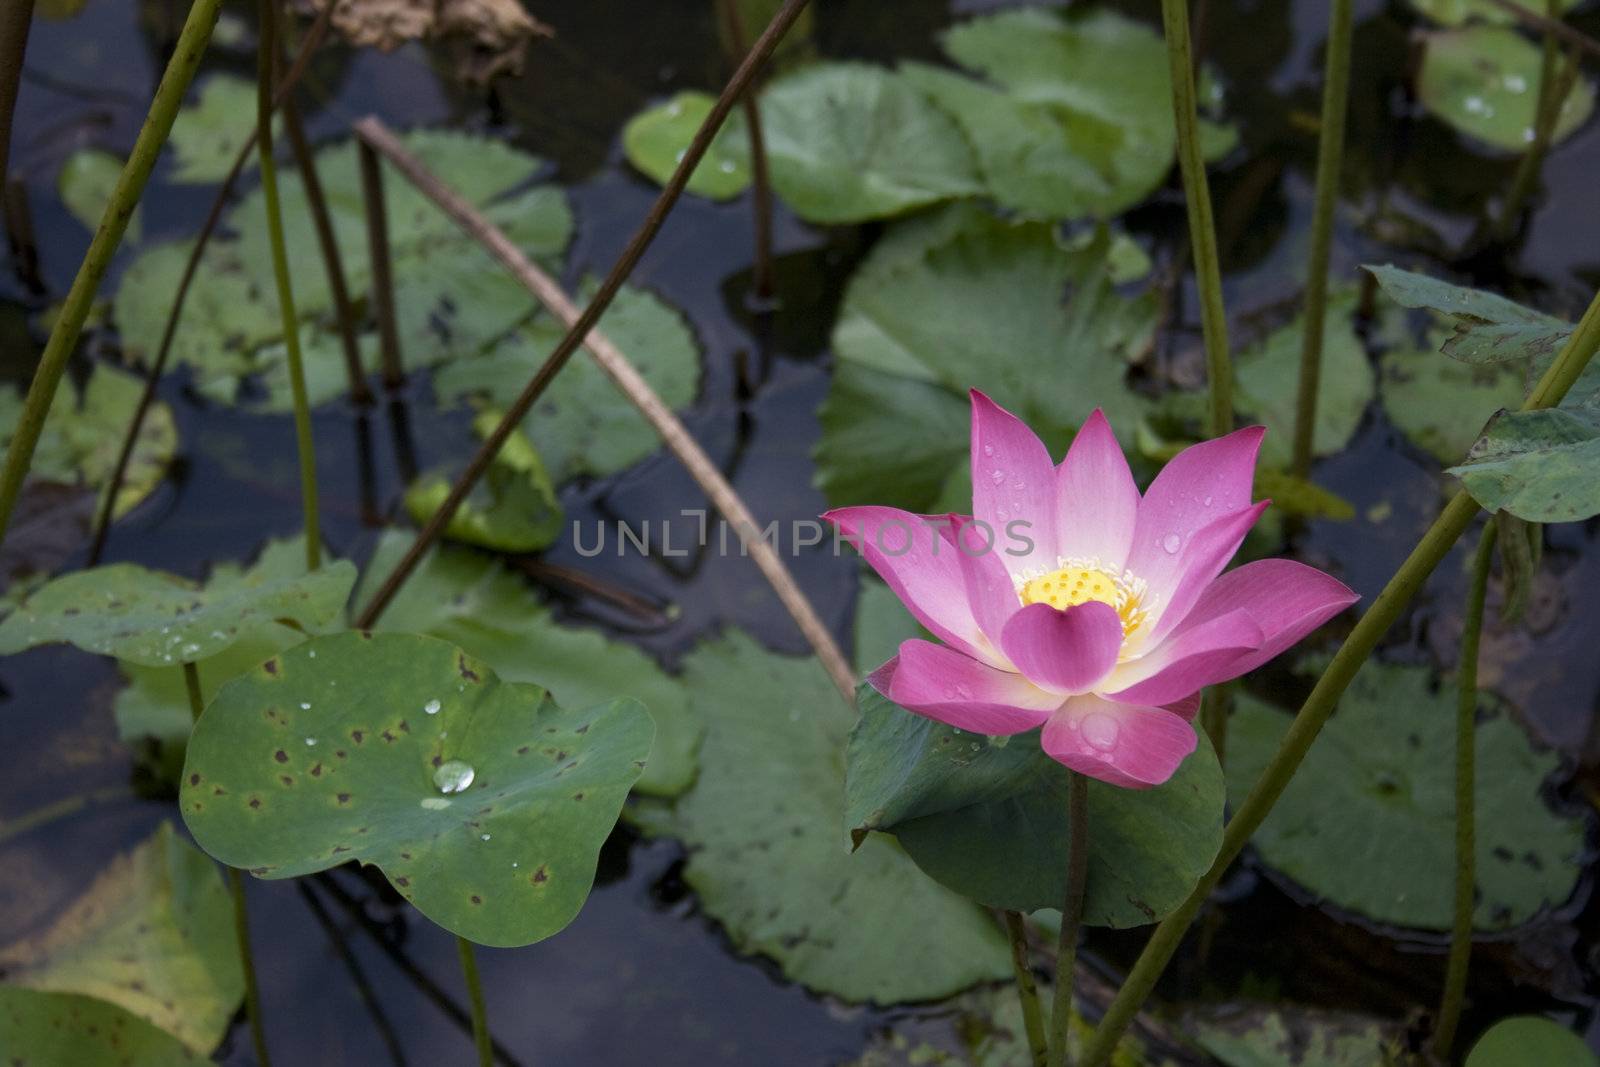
(453, 776)
(431, 707)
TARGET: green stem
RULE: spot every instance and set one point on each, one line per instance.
(266, 49)
(1202, 228)
(1330, 156)
(1214, 709)
(480, 1014)
(1455, 983)
(1554, 85)
(241, 917)
(1071, 916)
(124, 198)
(1436, 542)
(1027, 989)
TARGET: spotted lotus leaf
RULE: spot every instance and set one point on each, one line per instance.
(483, 801)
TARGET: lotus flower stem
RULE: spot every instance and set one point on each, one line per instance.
(1071, 915)
(1555, 83)
(1027, 989)
(1455, 982)
(1202, 227)
(760, 183)
(480, 1013)
(158, 365)
(1436, 543)
(241, 916)
(1330, 157)
(119, 209)
(305, 446)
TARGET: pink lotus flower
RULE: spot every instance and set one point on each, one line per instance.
(1068, 601)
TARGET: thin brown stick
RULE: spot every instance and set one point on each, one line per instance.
(760, 182)
(328, 244)
(1571, 34)
(382, 294)
(102, 526)
(15, 21)
(602, 299)
(627, 378)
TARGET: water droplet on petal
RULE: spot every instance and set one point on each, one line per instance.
(988, 450)
(453, 776)
(997, 476)
(1100, 731)
(1170, 543)
(431, 707)
(1206, 502)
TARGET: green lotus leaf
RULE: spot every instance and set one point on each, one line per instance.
(1542, 466)
(656, 138)
(1484, 81)
(1488, 327)
(513, 508)
(68, 1028)
(1526, 1039)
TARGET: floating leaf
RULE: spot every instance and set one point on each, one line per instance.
(1440, 404)
(767, 854)
(1484, 81)
(1268, 380)
(65, 1028)
(1488, 327)
(86, 181)
(1526, 1039)
(849, 142)
(961, 299)
(483, 802)
(988, 818)
(470, 600)
(157, 619)
(154, 934)
(583, 424)
(83, 434)
(1543, 466)
(1368, 822)
(513, 508)
(208, 133)
(1456, 12)
(655, 141)
(1248, 1035)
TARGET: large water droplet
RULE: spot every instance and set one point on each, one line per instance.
(453, 776)
(1100, 731)
(1170, 543)
(431, 707)
(310, 741)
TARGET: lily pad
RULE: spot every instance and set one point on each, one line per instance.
(767, 853)
(483, 802)
(1368, 822)
(1488, 327)
(961, 299)
(49, 1028)
(83, 434)
(208, 133)
(1440, 404)
(848, 142)
(512, 509)
(584, 425)
(656, 139)
(471, 600)
(154, 934)
(1524, 1039)
(1542, 466)
(157, 619)
(987, 817)
(1268, 379)
(86, 181)
(1484, 81)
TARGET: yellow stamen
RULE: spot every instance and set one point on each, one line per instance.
(1078, 581)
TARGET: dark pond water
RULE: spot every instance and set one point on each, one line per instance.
(641, 977)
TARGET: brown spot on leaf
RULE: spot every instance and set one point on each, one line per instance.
(271, 666)
(466, 672)
(286, 779)
(476, 899)
(316, 771)
(344, 798)
(540, 876)
(255, 802)
(194, 779)
(281, 756)
(357, 736)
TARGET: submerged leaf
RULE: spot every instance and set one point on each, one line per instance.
(1542, 466)
(208, 133)
(1484, 81)
(482, 801)
(1440, 404)
(154, 934)
(848, 142)
(157, 619)
(1367, 823)
(513, 508)
(1488, 327)
(987, 817)
(66, 1028)
(470, 600)
(767, 851)
(656, 138)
